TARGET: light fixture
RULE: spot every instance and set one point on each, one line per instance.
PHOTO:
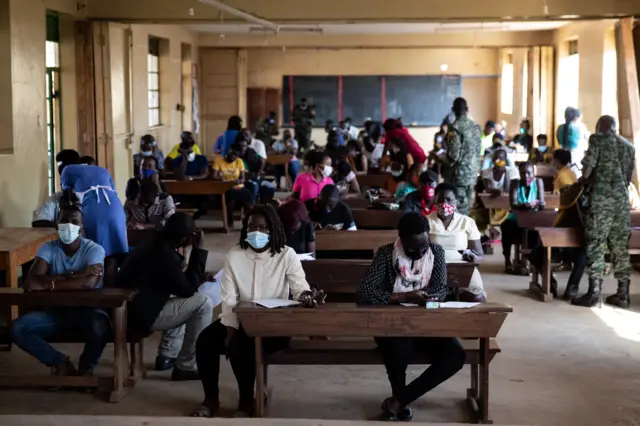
(444, 67)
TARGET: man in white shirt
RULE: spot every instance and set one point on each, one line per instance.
(352, 131)
(256, 144)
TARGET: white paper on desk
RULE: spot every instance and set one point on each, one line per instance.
(410, 305)
(275, 303)
(458, 305)
(306, 256)
(211, 289)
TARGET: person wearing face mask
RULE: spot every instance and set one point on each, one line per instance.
(189, 165)
(422, 200)
(267, 128)
(333, 132)
(497, 179)
(459, 237)
(527, 193)
(148, 172)
(328, 212)
(261, 266)
(351, 130)
(345, 180)
(308, 185)
(542, 154)
(69, 263)
(297, 226)
(230, 168)
(410, 270)
(148, 148)
(150, 209)
(185, 137)
(304, 116)
(168, 298)
(524, 139)
(397, 162)
(410, 185)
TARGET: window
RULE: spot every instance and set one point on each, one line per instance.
(52, 84)
(506, 92)
(569, 79)
(153, 69)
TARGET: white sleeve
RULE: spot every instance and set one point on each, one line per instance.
(48, 210)
(350, 177)
(473, 233)
(229, 295)
(260, 148)
(295, 275)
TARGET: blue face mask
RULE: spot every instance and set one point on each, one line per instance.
(258, 240)
(154, 143)
(147, 173)
(146, 153)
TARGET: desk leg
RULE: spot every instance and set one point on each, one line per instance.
(225, 224)
(12, 280)
(484, 381)
(260, 387)
(543, 291)
(119, 353)
(286, 177)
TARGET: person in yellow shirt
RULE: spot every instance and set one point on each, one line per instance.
(565, 176)
(230, 168)
(184, 137)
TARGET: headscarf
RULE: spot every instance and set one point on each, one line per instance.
(411, 274)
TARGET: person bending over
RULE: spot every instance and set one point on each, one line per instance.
(328, 212)
(69, 263)
(298, 227)
(261, 266)
(168, 298)
(150, 209)
(421, 200)
(410, 270)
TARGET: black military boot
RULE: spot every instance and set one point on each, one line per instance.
(571, 291)
(621, 298)
(592, 296)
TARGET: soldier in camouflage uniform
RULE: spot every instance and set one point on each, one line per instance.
(607, 170)
(463, 142)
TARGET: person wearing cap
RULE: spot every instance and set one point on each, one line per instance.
(148, 148)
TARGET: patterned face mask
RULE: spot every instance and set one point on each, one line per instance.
(446, 209)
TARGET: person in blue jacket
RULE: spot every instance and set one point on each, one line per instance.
(225, 140)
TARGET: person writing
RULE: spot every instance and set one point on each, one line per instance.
(261, 266)
(150, 209)
(308, 185)
(410, 270)
(69, 263)
(328, 212)
(421, 200)
(298, 227)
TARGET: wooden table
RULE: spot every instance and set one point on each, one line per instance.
(354, 240)
(114, 299)
(202, 187)
(482, 322)
(552, 201)
(376, 219)
(373, 181)
(364, 203)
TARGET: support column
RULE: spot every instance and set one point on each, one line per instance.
(242, 70)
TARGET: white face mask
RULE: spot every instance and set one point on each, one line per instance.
(191, 157)
(327, 171)
(68, 232)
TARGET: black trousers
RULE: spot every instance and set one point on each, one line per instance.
(511, 235)
(576, 255)
(448, 358)
(241, 353)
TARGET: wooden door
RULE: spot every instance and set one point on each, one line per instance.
(261, 101)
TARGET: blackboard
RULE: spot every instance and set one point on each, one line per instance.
(420, 100)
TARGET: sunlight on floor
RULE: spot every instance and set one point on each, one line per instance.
(625, 323)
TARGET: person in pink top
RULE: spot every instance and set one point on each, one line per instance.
(308, 185)
(394, 130)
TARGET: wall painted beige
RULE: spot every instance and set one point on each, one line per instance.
(69, 99)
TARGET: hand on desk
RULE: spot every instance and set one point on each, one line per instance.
(313, 298)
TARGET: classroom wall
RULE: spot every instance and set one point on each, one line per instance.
(265, 68)
(23, 153)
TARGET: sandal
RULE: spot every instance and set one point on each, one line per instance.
(204, 411)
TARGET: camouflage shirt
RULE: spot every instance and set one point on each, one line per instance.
(463, 142)
(612, 160)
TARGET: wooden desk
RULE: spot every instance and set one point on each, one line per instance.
(363, 203)
(544, 171)
(354, 240)
(373, 181)
(115, 299)
(552, 201)
(376, 219)
(482, 322)
(202, 187)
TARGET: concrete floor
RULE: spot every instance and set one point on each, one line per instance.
(560, 365)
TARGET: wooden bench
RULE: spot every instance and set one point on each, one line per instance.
(341, 320)
(559, 238)
(364, 203)
(502, 201)
(202, 187)
(340, 278)
(360, 241)
(125, 374)
(376, 219)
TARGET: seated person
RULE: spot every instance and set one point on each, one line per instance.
(527, 193)
(71, 262)
(410, 185)
(421, 200)
(330, 128)
(498, 143)
(565, 176)
(497, 179)
(150, 209)
(328, 212)
(410, 270)
(148, 172)
(148, 148)
(459, 237)
(298, 228)
(254, 166)
(256, 144)
(439, 147)
(261, 266)
(356, 159)
(168, 298)
(230, 168)
(88, 160)
(345, 179)
(185, 137)
(308, 185)
(397, 161)
(46, 215)
(189, 165)
(541, 154)
(288, 145)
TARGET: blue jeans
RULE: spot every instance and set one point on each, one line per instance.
(258, 190)
(294, 169)
(31, 331)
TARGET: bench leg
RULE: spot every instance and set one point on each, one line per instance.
(225, 224)
(543, 292)
(260, 380)
(136, 367)
(484, 382)
(120, 356)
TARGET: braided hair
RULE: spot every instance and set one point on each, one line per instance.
(277, 237)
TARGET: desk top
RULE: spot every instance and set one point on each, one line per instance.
(376, 219)
(99, 298)
(197, 187)
(552, 201)
(354, 240)
(351, 320)
(17, 238)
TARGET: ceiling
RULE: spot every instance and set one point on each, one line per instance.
(380, 28)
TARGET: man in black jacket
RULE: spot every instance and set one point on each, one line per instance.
(156, 270)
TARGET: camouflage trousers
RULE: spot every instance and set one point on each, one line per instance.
(464, 195)
(608, 228)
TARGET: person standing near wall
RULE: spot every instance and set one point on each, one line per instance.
(607, 169)
(572, 134)
(463, 154)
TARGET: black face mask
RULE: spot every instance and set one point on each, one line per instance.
(415, 253)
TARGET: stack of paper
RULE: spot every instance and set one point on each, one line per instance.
(275, 303)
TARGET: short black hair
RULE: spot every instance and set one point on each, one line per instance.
(459, 106)
(445, 186)
(399, 143)
(348, 119)
(412, 223)
(147, 139)
(277, 237)
(542, 136)
(150, 158)
(67, 157)
(491, 124)
(524, 165)
(563, 156)
(178, 227)
(148, 187)
(234, 123)
(428, 177)
(330, 191)
(88, 160)
(69, 209)
(317, 157)
(186, 140)
(353, 145)
(343, 169)
(499, 136)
